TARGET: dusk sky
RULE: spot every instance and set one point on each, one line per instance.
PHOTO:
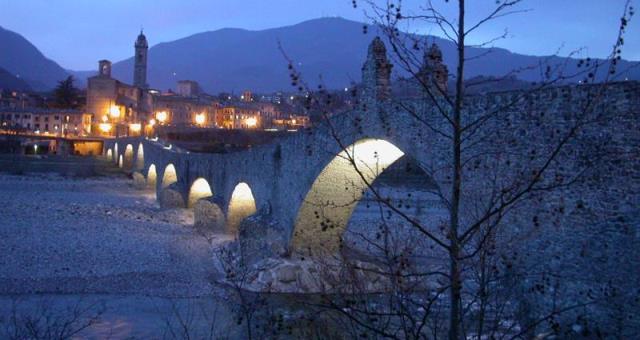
(77, 33)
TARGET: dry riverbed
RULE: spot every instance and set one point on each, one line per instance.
(98, 241)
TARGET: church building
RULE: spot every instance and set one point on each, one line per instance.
(120, 109)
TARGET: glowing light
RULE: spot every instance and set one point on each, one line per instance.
(151, 175)
(341, 184)
(114, 111)
(105, 127)
(128, 156)
(200, 119)
(251, 121)
(161, 116)
(140, 157)
(169, 176)
(109, 153)
(199, 189)
(152, 122)
(35, 148)
(120, 162)
(135, 127)
(105, 118)
(241, 206)
(293, 121)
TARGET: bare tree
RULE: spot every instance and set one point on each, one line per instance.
(512, 172)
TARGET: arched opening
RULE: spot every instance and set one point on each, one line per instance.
(379, 227)
(241, 206)
(120, 162)
(140, 157)
(169, 176)
(329, 204)
(199, 189)
(109, 154)
(151, 176)
(128, 157)
(115, 153)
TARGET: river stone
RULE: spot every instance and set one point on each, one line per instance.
(208, 216)
(171, 198)
(261, 237)
(139, 182)
(288, 273)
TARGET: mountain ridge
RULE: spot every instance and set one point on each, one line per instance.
(330, 51)
(24, 60)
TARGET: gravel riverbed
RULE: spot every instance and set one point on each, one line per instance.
(99, 238)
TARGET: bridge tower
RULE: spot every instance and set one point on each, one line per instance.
(434, 72)
(376, 73)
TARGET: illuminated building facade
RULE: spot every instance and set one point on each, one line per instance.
(115, 105)
(238, 117)
(56, 122)
(120, 109)
(177, 110)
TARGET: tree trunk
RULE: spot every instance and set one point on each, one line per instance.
(454, 250)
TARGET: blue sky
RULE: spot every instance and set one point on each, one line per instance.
(77, 33)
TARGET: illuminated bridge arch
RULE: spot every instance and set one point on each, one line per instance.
(241, 206)
(109, 154)
(128, 157)
(152, 176)
(115, 153)
(327, 207)
(199, 189)
(140, 157)
(169, 176)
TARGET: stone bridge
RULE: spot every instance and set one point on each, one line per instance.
(306, 182)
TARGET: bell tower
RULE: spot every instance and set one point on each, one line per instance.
(140, 68)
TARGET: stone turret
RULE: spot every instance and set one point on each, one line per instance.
(140, 68)
(376, 73)
(434, 72)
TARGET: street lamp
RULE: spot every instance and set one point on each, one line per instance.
(114, 111)
(200, 119)
(161, 116)
(251, 122)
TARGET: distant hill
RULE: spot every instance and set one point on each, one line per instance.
(10, 82)
(334, 48)
(330, 49)
(20, 57)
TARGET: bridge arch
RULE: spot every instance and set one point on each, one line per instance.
(120, 161)
(140, 157)
(169, 176)
(241, 205)
(115, 152)
(198, 190)
(328, 205)
(109, 154)
(128, 157)
(152, 176)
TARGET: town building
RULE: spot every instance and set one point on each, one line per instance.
(120, 109)
(57, 122)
